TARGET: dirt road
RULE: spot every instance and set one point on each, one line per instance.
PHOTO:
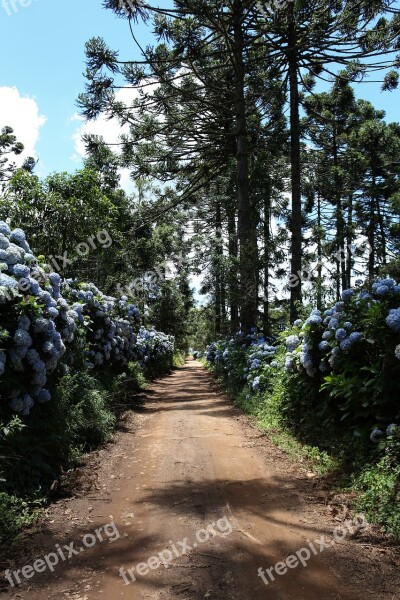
(195, 488)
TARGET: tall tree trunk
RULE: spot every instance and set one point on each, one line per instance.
(340, 224)
(232, 270)
(319, 251)
(247, 234)
(267, 249)
(381, 229)
(371, 234)
(296, 220)
(349, 235)
(217, 269)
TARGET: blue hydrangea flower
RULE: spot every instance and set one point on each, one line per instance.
(376, 435)
(289, 364)
(324, 346)
(24, 322)
(22, 338)
(306, 360)
(347, 295)
(55, 279)
(364, 295)
(13, 255)
(340, 334)
(4, 242)
(388, 283)
(29, 258)
(32, 356)
(4, 229)
(346, 345)
(40, 377)
(17, 235)
(40, 325)
(48, 347)
(28, 404)
(292, 341)
(44, 396)
(17, 405)
(45, 297)
(391, 429)
(7, 281)
(327, 335)
(21, 271)
(397, 352)
(333, 324)
(314, 319)
(393, 319)
(382, 290)
(34, 286)
(355, 337)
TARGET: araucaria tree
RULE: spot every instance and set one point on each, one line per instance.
(206, 113)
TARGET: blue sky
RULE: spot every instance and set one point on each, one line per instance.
(42, 49)
(43, 43)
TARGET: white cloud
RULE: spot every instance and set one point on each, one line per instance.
(110, 129)
(22, 114)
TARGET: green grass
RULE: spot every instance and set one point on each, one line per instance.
(378, 498)
(16, 515)
(178, 360)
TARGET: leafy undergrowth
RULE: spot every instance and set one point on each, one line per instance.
(16, 514)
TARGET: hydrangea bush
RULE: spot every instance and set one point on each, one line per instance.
(247, 360)
(346, 360)
(48, 327)
(351, 350)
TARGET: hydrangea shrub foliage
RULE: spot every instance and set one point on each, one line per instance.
(49, 327)
(347, 357)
